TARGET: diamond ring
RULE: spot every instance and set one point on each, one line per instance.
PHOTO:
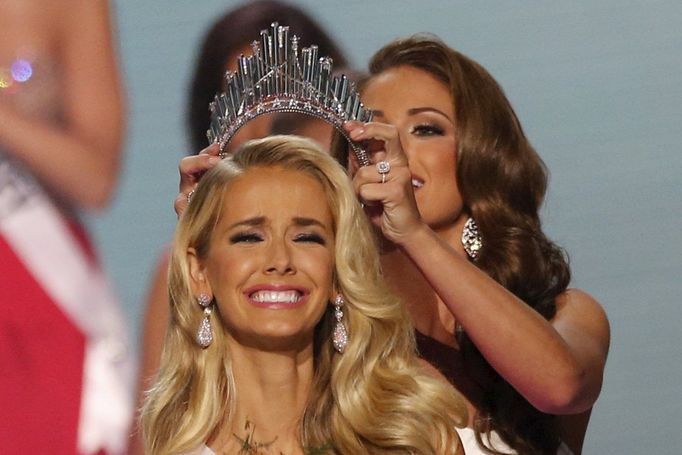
(189, 196)
(383, 168)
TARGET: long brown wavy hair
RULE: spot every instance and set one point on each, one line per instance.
(502, 181)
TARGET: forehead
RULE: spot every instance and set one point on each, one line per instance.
(406, 87)
(276, 193)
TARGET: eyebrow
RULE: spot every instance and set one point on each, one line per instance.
(415, 111)
(255, 221)
(303, 221)
(260, 220)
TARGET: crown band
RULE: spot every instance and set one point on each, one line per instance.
(279, 78)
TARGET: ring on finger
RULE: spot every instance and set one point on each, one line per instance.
(189, 196)
(383, 168)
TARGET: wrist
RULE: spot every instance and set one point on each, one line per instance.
(415, 237)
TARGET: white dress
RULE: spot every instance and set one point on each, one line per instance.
(203, 450)
(471, 446)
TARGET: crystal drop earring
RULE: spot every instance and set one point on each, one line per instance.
(205, 332)
(340, 333)
(471, 239)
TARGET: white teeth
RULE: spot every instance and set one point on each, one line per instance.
(275, 296)
(417, 183)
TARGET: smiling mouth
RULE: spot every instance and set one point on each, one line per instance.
(286, 297)
(417, 183)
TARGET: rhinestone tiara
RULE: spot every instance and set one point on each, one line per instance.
(280, 77)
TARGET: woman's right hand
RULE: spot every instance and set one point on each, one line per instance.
(191, 169)
(392, 192)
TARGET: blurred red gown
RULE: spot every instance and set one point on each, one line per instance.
(62, 337)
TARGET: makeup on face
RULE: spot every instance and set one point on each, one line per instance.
(271, 255)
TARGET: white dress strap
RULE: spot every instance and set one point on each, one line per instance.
(564, 450)
(201, 450)
(471, 446)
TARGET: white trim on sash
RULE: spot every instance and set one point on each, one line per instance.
(39, 235)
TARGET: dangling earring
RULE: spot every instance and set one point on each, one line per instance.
(471, 239)
(205, 334)
(340, 334)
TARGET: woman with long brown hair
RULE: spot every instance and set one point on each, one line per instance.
(487, 290)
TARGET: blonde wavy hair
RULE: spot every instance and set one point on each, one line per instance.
(375, 398)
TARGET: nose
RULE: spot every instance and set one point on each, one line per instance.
(407, 146)
(279, 260)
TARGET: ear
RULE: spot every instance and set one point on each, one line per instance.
(353, 163)
(197, 274)
(335, 293)
(334, 288)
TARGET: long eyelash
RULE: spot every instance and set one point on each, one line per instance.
(315, 238)
(428, 128)
(248, 237)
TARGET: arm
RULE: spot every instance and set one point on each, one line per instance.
(557, 365)
(80, 160)
(191, 169)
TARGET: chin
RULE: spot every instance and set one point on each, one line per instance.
(291, 343)
(277, 337)
(441, 223)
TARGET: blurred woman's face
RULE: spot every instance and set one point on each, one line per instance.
(421, 108)
(271, 258)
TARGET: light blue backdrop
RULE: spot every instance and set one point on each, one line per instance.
(597, 86)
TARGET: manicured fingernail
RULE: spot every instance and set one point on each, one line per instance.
(357, 132)
(213, 160)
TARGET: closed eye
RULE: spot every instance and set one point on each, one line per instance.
(426, 129)
(246, 237)
(310, 238)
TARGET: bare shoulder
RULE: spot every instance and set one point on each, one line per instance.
(580, 313)
(579, 302)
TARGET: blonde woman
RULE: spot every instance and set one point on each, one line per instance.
(283, 335)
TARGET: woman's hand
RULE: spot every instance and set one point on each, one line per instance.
(191, 169)
(388, 197)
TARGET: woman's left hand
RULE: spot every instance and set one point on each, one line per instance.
(388, 197)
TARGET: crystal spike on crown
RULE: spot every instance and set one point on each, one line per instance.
(280, 77)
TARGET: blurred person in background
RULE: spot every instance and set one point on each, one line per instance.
(66, 383)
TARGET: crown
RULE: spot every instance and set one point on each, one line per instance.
(280, 77)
